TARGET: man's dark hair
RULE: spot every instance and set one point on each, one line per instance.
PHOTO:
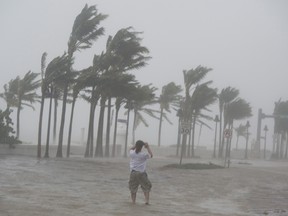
(139, 145)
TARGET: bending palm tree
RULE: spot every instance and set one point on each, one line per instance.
(169, 97)
(226, 96)
(84, 32)
(26, 92)
(235, 110)
(191, 78)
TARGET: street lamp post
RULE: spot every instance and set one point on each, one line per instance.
(216, 124)
(265, 129)
(247, 138)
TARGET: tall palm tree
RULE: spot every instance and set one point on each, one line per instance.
(191, 77)
(281, 127)
(84, 32)
(50, 76)
(144, 99)
(26, 92)
(169, 98)
(124, 52)
(44, 90)
(240, 131)
(226, 95)
(238, 109)
(202, 97)
(139, 101)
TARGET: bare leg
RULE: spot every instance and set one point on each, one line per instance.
(133, 197)
(146, 194)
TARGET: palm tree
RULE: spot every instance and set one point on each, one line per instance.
(238, 109)
(281, 127)
(9, 94)
(142, 101)
(202, 97)
(169, 98)
(139, 100)
(26, 92)
(240, 131)
(226, 95)
(84, 32)
(44, 90)
(50, 77)
(123, 53)
(191, 78)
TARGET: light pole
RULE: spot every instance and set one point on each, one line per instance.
(247, 137)
(216, 124)
(265, 129)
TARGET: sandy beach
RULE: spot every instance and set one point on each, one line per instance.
(79, 186)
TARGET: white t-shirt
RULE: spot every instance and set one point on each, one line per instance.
(138, 161)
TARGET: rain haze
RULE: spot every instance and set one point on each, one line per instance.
(244, 42)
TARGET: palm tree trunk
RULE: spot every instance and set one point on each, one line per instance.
(160, 127)
(220, 150)
(99, 142)
(126, 136)
(61, 132)
(48, 128)
(88, 143)
(107, 150)
(18, 119)
(115, 132)
(55, 120)
(193, 137)
(183, 147)
(178, 137)
(134, 126)
(70, 127)
(40, 126)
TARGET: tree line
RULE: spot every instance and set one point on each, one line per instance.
(108, 82)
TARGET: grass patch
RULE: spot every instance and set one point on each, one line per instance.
(195, 166)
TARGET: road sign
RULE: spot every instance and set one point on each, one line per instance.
(227, 133)
(185, 127)
(185, 130)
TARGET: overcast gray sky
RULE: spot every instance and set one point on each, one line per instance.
(245, 42)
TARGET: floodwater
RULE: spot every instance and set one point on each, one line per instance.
(86, 187)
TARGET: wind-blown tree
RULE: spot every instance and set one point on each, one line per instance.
(84, 32)
(191, 77)
(6, 130)
(139, 101)
(44, 92)
(124, 52)
(9, 94)
(240, 131)
(238, 109)
(202, 97)
(26, 94)
(281, 127)
(168, 99)
(142, 102)
(53, 73)
(226, 96)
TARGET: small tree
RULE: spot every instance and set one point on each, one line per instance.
(6, 130)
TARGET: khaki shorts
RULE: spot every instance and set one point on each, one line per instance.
(139, 178)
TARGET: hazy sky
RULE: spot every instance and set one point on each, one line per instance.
(245, 42)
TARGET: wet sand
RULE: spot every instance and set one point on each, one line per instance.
(79, 186)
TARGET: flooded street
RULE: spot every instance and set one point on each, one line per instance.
(78, 186)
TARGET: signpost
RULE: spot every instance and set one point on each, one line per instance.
(185, 127)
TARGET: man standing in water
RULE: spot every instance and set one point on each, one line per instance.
(138, 175)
